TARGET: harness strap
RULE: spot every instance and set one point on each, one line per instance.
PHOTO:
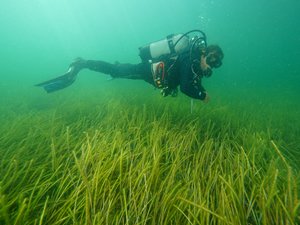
(171, 43)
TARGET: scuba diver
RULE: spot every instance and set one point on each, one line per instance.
(177, 60)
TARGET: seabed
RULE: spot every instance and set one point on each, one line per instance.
(132, 159)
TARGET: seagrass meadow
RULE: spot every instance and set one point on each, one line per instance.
(102, 157)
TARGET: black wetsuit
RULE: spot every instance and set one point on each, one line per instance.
(180, 75)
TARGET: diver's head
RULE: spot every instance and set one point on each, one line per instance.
(212, 58)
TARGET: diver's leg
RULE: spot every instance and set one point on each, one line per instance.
(118, 70)
(139, 71)
(100, 66)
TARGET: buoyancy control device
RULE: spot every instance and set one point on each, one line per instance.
(166, 50)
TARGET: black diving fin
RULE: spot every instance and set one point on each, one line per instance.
(60, 82)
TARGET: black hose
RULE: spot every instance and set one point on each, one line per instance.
(204, 36)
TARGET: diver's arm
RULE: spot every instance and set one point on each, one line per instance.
(207, 96)
(187, 85)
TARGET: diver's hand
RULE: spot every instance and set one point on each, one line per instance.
(206, 69)
(203, 63)
(207, 98)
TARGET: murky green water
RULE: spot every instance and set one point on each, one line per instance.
(258, 84)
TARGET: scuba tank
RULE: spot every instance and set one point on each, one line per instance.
(170, 45)
(163, 47)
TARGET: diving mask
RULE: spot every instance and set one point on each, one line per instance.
(213, 60)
